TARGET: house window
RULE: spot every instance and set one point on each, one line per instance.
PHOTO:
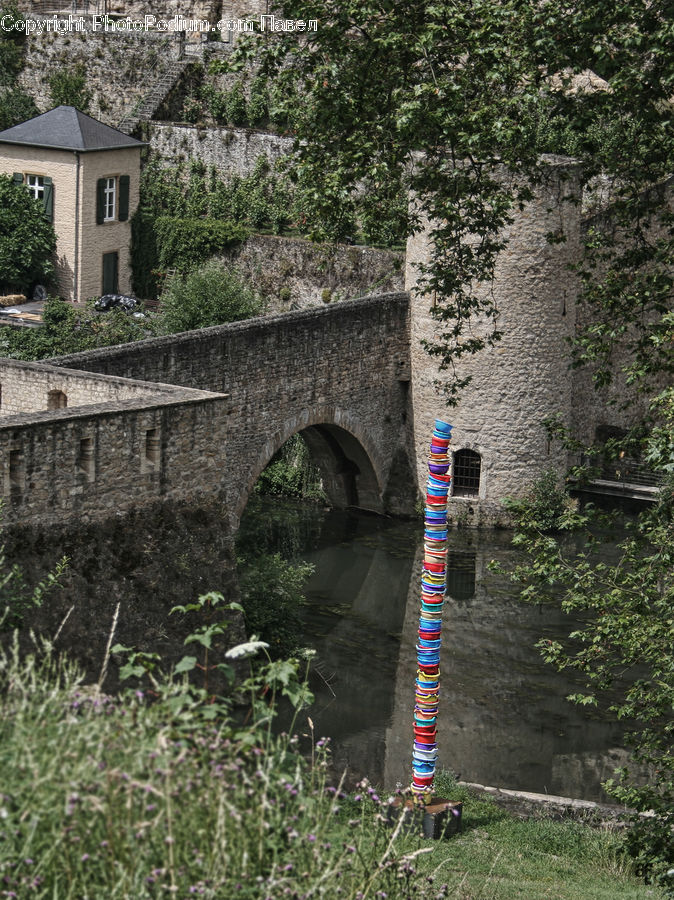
(16, 471)
(151, 456)
(110, 193)
(35, 185)
(86, 463)
(466, 475)
(40, 188)
(112, 199)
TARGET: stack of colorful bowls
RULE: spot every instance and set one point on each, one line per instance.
(433, 584)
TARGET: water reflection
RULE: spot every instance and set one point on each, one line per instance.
(461, 574)
(503, 717)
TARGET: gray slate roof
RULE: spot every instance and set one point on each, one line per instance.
(66, 128)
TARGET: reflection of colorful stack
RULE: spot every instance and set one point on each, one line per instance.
(433, 585)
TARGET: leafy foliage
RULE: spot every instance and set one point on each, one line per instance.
(292, 473)
(68, 87)
(270, 200)
(545, 506)
(12, 46)
(458, 104)
(142, 795)
(144, 259)
(184, 243)
(70, 330)
(17, 598)
(272, 594)
(210, 295)
(27, 238)
(15, 106)
(626, 646)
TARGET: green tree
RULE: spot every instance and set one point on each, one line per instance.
(27, 238)
(458, 102)
(12, 45)
(210, 295)
(70, 330)
(15, 106)
(68, 87)
(624, 651)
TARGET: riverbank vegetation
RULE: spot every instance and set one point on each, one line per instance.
(164, 791)
(292, 473)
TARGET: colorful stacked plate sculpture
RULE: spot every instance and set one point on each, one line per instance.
(433, 584)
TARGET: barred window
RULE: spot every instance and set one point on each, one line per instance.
(466, 476)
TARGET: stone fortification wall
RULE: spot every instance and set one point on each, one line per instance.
(295, 273)
(525, 377)
(25, 386)
(341, 370)
(233, 151)
(120, 68)
(619, 404)
(97, 461)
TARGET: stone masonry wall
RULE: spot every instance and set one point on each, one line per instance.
(24, 387)
(295, 273)
(524, 378)
(103, 460)
(233, 151)
(120, 68)
(345, 366)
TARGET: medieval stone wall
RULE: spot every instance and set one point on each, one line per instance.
(25, 387)
(341, 370)
(233, 151)
(525, 377)
(295, 273)
(120, 68)
(100, 460)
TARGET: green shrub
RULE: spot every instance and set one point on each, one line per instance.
(258, 105)
(15, 106)
(272, 594)
(27, 238)
(69, 87)
(292, 473)
(144, 255)
(544, 507)
(236, 106)
(183, 243)
(210, 295)
(12, 47)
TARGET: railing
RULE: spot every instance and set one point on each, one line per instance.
(629, 470)
(625, 476)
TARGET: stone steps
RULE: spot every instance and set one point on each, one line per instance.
(150, 103)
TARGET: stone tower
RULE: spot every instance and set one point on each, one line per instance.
(499, 444)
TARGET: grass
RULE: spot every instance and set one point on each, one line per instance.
(139, 797)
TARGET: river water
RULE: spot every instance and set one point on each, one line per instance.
(503, 718)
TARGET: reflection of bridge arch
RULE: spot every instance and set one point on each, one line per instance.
(349, 464)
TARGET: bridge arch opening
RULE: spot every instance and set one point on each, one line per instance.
(348, 477)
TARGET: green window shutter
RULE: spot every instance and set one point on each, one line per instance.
(123, 198)
(17, 178)
(48, 198)
(100, 201)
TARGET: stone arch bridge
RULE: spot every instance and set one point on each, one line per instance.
(203, 412)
